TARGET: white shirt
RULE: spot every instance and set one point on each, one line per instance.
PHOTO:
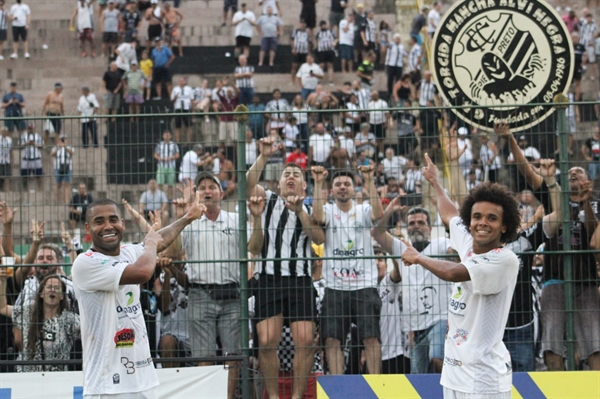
(20, 13)
(393, 167)
(395, 55)
(116, 351)
(529, 152)
(182, 97)
(434, 17)
(269, 3)
(84, 17)
(126, 56)
(308, 81)
(347, 241)
(377, 117)
(466, 158)
(5, 148)
(291, 134)
(205, 241)
(348, 145)
(347, 37)
(321, 146)
(244, 28)
(189, 166)
(476, 360)
(251, 152)
(86, 106)
(390, 293)
(302, 117)
(424, 296)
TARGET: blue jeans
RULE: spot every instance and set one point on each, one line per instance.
(303, 129)
(428, 344)
(246, 94)
(305, 93)
(519, 343)
(593, 169)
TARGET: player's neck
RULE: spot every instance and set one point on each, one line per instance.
(344, 206)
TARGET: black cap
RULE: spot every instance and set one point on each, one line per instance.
(206, 175)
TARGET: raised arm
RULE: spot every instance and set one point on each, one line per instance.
(267, 147)
(446, 207)
(367, 173)
(525, 168)
(170, 233)
(37, 236)
(444, 269)
(255, 243)
(552, 221)
(319, 175)
(380, 233)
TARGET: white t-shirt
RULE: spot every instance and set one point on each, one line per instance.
(116, 350)
(244, 28)
(347, 37)
(126, 56)
(189, 166)
(529, 152)
(424, 296)
(20, 13)
(377, 117)
(206, 241)
(390, 293)
(291, 133)
(393, 167)
(269, 3)
(476, 360)
(434, 17)
(321, 146)
(182, 98)
(308, 81)
(347, 241)
(86, 106)
(348, 145)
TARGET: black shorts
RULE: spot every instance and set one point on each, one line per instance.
(340, 308)
(5, 170)
(325, 56)
(310, 17)
(577, 73)
(230, 4)
(182, 120)
(154, 31)
(110, 37)
(75, 216)
(161, 75)
(19, 31)
(241, 41)
(293, 297)
(378, 130)
(3, 35)
(299, 58)
(415, 76)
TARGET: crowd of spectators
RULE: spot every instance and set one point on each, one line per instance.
(372, 147)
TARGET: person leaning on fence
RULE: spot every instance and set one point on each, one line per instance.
(351, 281)
(584, 236)
(424, 295)
(214, 306)
(106, 279)
(284, 287)
(476, 362)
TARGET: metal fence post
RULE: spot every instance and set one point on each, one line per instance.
(563, 133)
(242, 117)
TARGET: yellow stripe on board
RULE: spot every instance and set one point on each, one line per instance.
(516, 394)
(321, 394)
(568, 385)
(391, 386)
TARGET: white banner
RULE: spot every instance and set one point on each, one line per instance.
(208, 382)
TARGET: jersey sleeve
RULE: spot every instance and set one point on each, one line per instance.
(460, 238)
(493, 271)
(398, 248)
(97, 273)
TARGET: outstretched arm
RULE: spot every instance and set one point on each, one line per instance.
(525, 168)
(170, 233)
(446, 207)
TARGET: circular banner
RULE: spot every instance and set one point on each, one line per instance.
(497, 57)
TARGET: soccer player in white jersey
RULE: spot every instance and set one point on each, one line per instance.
(284, 288)
(349, 269)
(116, 353)
(476, 363)
(424, 296)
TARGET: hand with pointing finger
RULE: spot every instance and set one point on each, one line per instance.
(430, 171)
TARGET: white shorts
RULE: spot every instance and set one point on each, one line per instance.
(147, 394)
(452, 394)
(227, 132)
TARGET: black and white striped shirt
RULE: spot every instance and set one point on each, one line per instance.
(412, 179)
(395, 55)
(245, 83)
(5, 148)
(427, 92)
(3, 19)
(588, 33)
(414, 58)
(370, 31)
(31, 152)
(363, 96)
(63, 157)
(300, 38)
(284, 238)
(325, 40)
(166, 150)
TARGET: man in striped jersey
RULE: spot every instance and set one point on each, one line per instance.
(300, 44)
(284, 288)
(394, 62)
(244, 80)
(368, 34)
(414, 61)
(3, 24)
(166, 154)
(5, 159)
(326, 42)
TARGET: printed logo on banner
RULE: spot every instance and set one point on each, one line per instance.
(501, 56)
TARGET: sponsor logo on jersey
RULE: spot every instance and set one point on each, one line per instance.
(125, 338)
(130, 300)
(458, 293)
(456, 305)
(116, 379)
(125, 310)
(460, 336)
(452, 362)
(497, 58)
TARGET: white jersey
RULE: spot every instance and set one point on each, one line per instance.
(424, 296)
(392, 344)
(113, 332)
(174, 321)
(476, 360)
(347, 241)
(205, 241)
(189, 166)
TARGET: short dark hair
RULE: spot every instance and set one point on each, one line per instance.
(100, 202)
(55, 248)
(419, 210)
(276, 91)
(343, 172)
(499, 195)
(293, 165)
